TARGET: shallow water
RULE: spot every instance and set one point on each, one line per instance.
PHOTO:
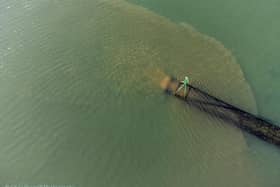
(81, 102)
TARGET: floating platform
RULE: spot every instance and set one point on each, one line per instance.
(215, 107)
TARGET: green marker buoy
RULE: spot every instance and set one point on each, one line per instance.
(184, 85)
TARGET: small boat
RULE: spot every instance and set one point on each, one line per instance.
(171, 85)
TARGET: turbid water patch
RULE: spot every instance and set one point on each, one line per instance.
(84, 102)
(146, 42)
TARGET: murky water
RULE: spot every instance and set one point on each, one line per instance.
(81, 102)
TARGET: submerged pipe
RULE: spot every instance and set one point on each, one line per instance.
(218, 108)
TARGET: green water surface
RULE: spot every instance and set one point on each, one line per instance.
(81, 103)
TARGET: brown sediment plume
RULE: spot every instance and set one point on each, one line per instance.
(140, 48)
(140, 42)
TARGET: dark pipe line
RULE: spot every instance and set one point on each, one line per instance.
(218, 108)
